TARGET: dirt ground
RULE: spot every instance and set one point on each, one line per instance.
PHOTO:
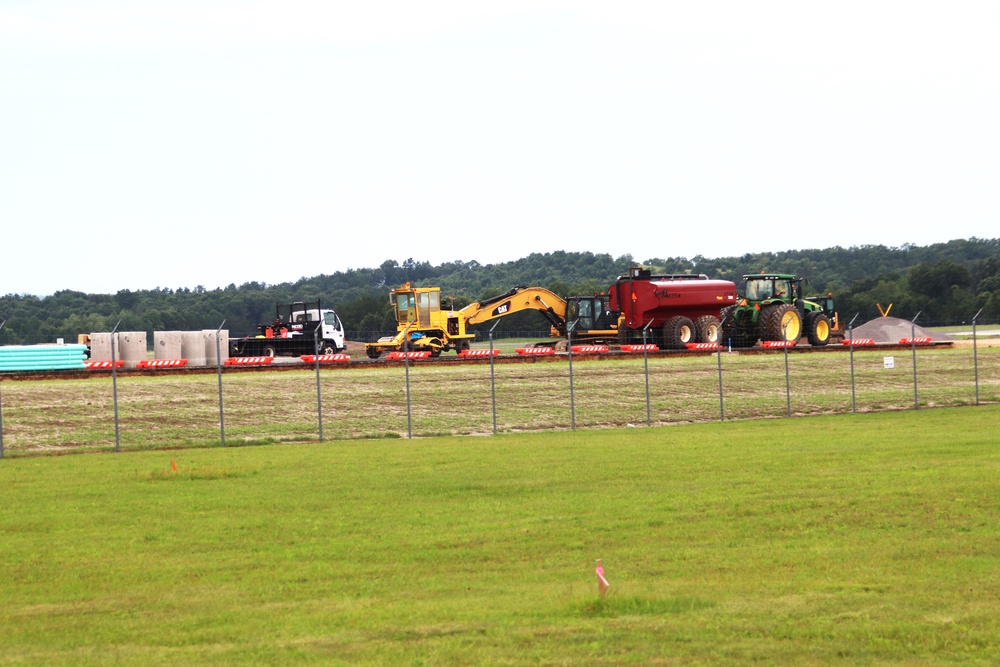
(892, 329)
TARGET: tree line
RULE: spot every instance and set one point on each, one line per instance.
(946, 282)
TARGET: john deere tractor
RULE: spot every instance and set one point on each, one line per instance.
(773, 308)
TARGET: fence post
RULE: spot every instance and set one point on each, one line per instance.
(569, 347)
(975, 358)
(493, 382)
(645, 362)
(1, 409)
(913, 347)
(218, 365)
(788, 386)
(718, 357)
(406, 364)
(114, 387)
(319, 396)
(850, 337)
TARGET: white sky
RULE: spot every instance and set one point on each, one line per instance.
(184, 143)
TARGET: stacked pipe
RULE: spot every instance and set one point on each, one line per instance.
(42, 357)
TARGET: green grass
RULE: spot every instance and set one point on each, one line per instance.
(864, 539)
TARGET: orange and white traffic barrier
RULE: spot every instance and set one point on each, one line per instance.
(535, 350)
(641, 348)
(919, 340)
(859, 342)
(325, 358)
(702, 346)
(771, 344)
(590, 349)
(478, 353)
(161, 363)
(102, 365)
(423, 354)
(248, 361)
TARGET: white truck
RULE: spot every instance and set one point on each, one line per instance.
(303, 327)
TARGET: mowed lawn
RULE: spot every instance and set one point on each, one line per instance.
(867, 539)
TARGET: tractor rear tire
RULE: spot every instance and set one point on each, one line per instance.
(677, 332)
(733, 334)
(706, 329)
(783, 322)
(818, 328)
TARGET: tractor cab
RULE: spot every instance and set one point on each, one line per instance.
(763, 288)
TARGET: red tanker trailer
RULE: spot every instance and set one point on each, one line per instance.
(677, 308)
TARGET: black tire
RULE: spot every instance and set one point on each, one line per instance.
(732, 333)
(818, 328)
(707, 329)
(782, 322)
(677, 332)
(327, 347)
(269, 351)
(373, 352)
(461, 345)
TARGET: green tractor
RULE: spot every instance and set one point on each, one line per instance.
(773, 308)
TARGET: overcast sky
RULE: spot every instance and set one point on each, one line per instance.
(176, 144)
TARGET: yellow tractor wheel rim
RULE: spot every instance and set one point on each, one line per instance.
(822, 330)
(791, 326)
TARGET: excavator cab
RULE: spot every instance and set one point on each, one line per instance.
(591, 313)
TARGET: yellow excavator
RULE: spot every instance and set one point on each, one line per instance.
(423, 325)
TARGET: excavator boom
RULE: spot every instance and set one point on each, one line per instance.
(548, 303)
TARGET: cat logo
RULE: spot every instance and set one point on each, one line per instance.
(501, 309)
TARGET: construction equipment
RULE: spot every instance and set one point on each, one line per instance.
(773, 308)
(422, 324)
(679, 309)
(303, 327)
(675, 309)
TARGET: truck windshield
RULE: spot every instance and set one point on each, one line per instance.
(405, 310)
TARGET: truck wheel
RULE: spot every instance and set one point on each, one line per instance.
(818, 328)
(783, 322)
(706, 329)
(373, 352)
(677, 331)
(268, 351)
(461, 345)
(326, 347)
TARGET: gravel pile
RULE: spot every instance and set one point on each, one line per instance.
(891, 329)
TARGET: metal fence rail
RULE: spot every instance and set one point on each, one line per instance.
(126, 412)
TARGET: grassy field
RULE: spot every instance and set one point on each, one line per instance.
(866, 539)
(365, 402)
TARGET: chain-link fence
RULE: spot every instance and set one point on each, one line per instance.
(355, 401)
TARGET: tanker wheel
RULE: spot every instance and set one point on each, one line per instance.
(373, 352)
(677, 332)
(783, 323)
(706, 329)
(269, 351)
(818, 328)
